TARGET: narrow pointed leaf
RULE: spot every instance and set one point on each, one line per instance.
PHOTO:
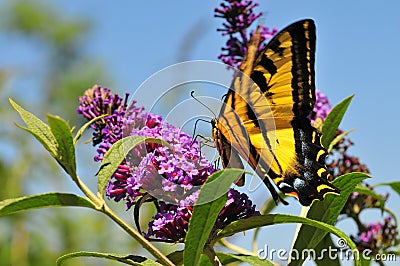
(218, 185)
(251, 260)
(127, 259)
(333, 120)
(273, 219)
(176, 257)
(116, 154)
(40, 130)
(321, 248)
(366, 261)
(338, 138)
(213, 196)
(364, 190)
(66, 150)
(326, 211)
(227, 259)
(268, 206)
(204, 260)
(394, 185)
(11, 206)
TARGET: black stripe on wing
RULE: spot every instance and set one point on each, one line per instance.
(303, 72)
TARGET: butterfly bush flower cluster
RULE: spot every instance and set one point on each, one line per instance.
(173, 174)
(170, 224)
(377, 237)
(98, 101)
(239, 16)
(322, 107)
(358, 202)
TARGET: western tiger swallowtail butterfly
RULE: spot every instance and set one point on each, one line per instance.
(290, 152)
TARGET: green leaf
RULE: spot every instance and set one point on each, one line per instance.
(11, 206)
(270, 204)
(365, 261)
(127, 259)
(267, 207)
(252, 260)
(273, 219)
(333, 120)
(66, 151)
(212, 198)
(218, 185)
(116, 154)
(364, 190)
(37, 128)
(204, 261)
(85, 126)
(326, 260)
(338, 138)
(326, 211)
(176, 257)
(394, 185)
(225, 258)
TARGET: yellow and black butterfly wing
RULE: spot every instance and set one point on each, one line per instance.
(229, 157)
(269, 126)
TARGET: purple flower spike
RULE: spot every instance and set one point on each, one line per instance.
(239, 16)
(99, 101)
(322, 107)
(238, 206)
(170, 174)
(377, 237)
(171, 223)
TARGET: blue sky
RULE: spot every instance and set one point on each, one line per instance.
(357, 53)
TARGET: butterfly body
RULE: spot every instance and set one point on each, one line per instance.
(265, 118)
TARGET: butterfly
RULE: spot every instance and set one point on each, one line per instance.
(265, 120)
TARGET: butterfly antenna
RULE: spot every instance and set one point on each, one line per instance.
(192, 94)
(194, 130)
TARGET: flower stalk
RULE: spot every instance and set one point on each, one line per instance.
(101, 206)
(138, 237)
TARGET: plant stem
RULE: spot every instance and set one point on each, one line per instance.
(99, 202)
(235, 248)
(303, 213)
(102, 207)
(135, 234)
(212, 256)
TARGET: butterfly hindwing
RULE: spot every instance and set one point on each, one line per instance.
(267, 123)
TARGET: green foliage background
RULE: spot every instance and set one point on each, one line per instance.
(65, 71)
